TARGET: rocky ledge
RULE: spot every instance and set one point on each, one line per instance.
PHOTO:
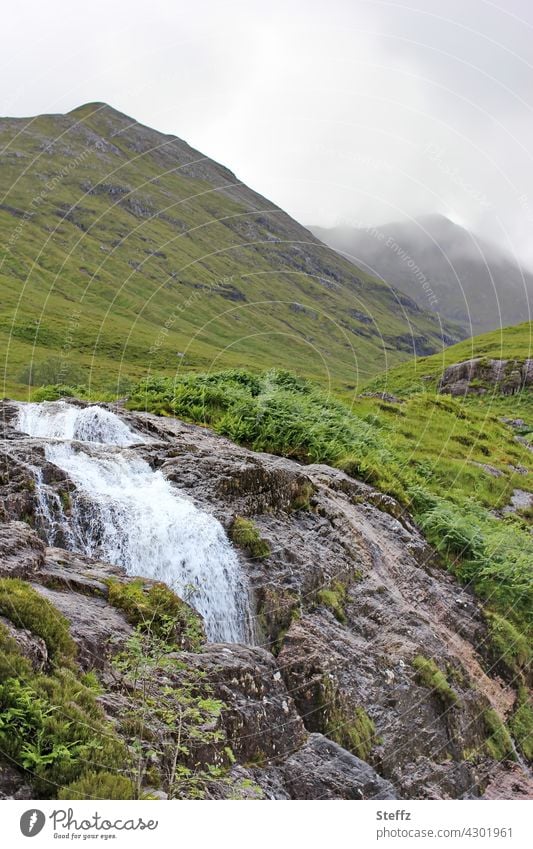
(372, 673)
(482, 375)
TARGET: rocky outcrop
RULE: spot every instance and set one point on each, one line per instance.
(351, 606)
(481, 375)
(320, 769)
(21, 550)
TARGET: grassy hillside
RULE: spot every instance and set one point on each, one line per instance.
(126, 252)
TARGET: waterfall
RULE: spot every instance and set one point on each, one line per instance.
(126, 513)
(59, 420)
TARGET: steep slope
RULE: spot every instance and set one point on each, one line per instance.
(442, 267)
(370, 675)
(126, 251)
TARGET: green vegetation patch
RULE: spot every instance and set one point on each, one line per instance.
(26, 608)
(156, 608)
(245, 534)
(521, 723)
(302, 499)
(508, 645)
(429, 675)
(99, 785)
(349, 726)
(498, 744)
(334, 598)
(52, 724)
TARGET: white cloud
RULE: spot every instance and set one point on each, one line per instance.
(350, 110)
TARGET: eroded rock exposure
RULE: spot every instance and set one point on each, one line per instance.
(482, 375)
(369, 675)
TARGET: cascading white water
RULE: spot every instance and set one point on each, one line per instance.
(59, 420)
(126, 513)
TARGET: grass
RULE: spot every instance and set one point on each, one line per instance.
(121, 265)
(429, 675)
(422, 374)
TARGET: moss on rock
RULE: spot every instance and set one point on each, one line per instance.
(26, 608)
(245, 534)
(334, 598)
(349, 726)
(429, 675)
(99, 785)
(157, 608)
(521, 724)
(498, 744)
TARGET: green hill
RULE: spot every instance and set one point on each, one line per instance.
(423, 373)
(125, 251)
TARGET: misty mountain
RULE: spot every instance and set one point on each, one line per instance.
(443, 267)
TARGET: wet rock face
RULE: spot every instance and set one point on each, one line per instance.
(260, 717)
(21, 551)
(330, 702)
(482, 375)
(323, 770)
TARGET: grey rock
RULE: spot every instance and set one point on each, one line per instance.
(481, 375)
(21, 550)
(323, 770)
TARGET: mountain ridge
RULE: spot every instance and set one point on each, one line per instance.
(443, 266)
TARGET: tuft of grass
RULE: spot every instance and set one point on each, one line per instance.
(99, 785)
(244, 533)
(429, 675)
(302, 499)
(498, 744)
(521, 723)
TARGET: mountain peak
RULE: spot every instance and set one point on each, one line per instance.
(92, 107)
(438, 262)
(438, 221)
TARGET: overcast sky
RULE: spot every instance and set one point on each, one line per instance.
(339, 111)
